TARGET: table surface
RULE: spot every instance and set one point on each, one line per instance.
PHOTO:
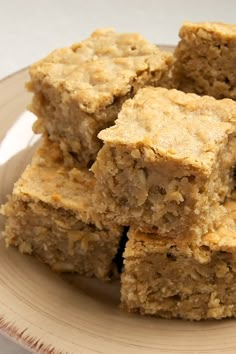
(30, 29)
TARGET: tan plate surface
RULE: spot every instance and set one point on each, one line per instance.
(47, 314)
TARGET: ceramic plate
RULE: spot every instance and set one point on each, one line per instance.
(49, 314)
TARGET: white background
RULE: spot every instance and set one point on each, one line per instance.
(29, 29)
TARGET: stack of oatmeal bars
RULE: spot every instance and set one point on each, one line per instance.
(77, 92)
(132, 138)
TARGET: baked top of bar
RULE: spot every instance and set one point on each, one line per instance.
(47, 180)
(174, 125)
(223, 239)
(204, 29)
(99, 69)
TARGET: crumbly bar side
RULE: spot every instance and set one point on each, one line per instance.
(60, 239)
(161, 196)
(175, 279)
(166, 172)
(78, 140)
(205, 60)
(51, 215)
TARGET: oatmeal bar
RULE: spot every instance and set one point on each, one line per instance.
(79, 90)
(171, 278)
(205, 59)
(48, 215)
(167, 162)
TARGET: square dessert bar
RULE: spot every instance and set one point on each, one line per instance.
(173, 278)
(205, 59)
(167, 162)
(79, 90)
(48, 215)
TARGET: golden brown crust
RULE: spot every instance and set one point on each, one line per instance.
(96, 71)
(204, 29)
(174, 125)
(46, 179)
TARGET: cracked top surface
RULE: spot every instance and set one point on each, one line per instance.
(206, 29)
(174, 125)
(99, 68)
